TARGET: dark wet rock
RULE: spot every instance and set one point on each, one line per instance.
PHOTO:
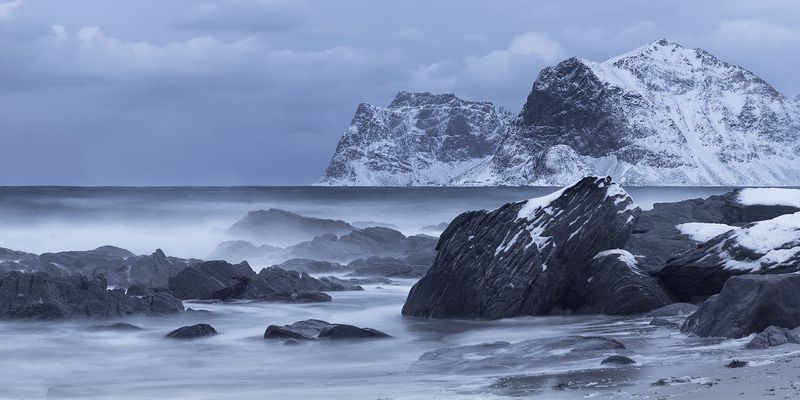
(312, 329)
(138, 290)
(773, 336)
(504, 356)
(309, 297)
(524, 258)
(736, 364)
(117, 326)
(281, 226)
(616, 285)
(617, 360)
(108, 261)
(223, 281)
(208, 280)
(661, 321)
(343, 331)
(311, 266)
(197, 311)
(154, 271)
(764, 247)
(238, 250)
(192, 332)
(408, 267)
(362, 243)
(673, 310)
(38, 296)
(748, 304)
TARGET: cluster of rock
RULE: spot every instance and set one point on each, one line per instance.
(118, 266)
(156, 284)
(588, 249)
(221, 280)
(40, 296)
(320, 245)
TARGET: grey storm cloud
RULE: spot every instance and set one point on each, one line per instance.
(258, 92)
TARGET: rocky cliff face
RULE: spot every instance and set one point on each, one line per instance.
(659, 115)
(420, 139)
(525, 258)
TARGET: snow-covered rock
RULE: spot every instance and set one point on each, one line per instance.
(421, 139)
(765, 247)
(525, 258)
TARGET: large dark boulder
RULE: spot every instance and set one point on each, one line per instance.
(154, 271)
(765, 247)
(192, 332)
(748, 304)
(524, 258)
(207, 280)
(657, 238)
(38, 296)
(284, 227)
(312, 329)
(616, 285)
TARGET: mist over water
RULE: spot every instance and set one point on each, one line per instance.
(66, 359)
(190, 221)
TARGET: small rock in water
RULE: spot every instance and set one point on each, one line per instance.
(192, 332)
(312, 329)
(617, 359)
(736, 364)
(341, 331)
(117, 326)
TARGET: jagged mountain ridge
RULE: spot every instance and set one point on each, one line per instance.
(659, 115)
(420, 139)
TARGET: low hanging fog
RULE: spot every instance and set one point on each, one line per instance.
(190, 222)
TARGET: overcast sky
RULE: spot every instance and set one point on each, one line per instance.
(179, 92)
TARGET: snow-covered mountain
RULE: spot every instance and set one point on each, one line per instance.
(421, 139)
(659, 115)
